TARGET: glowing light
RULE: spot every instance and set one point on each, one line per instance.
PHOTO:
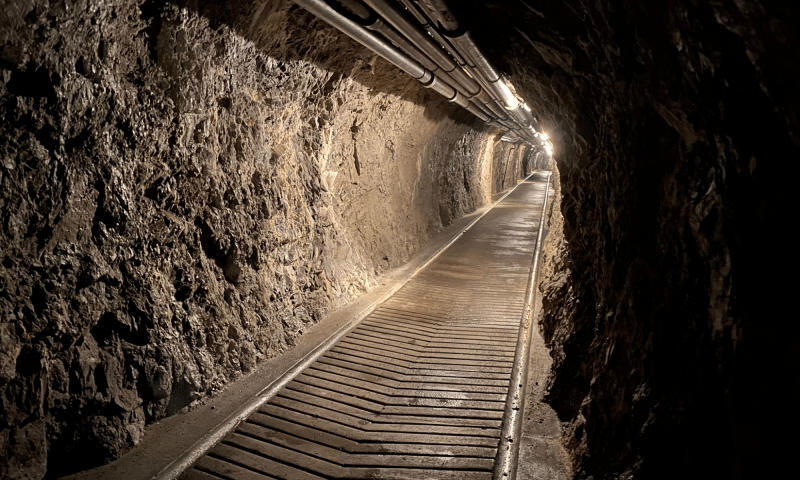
(544, 136)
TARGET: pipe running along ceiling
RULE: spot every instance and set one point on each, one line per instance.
(424, 39)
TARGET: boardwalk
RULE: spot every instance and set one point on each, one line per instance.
(419, 388)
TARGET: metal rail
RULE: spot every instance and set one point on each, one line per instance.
(418, 388)
(224, 428)
(505, 467)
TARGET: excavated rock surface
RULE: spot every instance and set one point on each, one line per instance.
(667, 301)
(508, 164)
(181, 197)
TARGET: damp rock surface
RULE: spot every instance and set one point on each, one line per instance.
(186, 187)
(184, 192)
(668, 294)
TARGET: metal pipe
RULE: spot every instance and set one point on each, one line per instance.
(437, 85)
(496, 110)
(492, 80)
(433, 32)
(519, 115)
(402, 43)
(509, 124)
(466, 45)
(510, 136)
(491, 95)
(440, 12)
(412, 51)
(485, 95)
(424, 17)
(473, 109)
(366, 38)
(415, 10)
(488, 112)
(416, 54)
(530, 118)
(464, 102)
(358, 9)
(400, 20)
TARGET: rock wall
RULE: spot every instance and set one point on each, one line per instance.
(184, 190)
(667, 299)
(508, 165)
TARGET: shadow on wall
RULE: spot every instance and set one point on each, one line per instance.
(252, 20)
(671, 314)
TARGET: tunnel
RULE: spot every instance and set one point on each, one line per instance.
(199, 199)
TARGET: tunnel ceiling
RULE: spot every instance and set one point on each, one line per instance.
(177, 177)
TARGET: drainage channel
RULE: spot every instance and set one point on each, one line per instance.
(421, 387)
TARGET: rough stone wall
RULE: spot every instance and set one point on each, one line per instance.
(667, 307)
(508, 165)
(538, 160)
(182, 197)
